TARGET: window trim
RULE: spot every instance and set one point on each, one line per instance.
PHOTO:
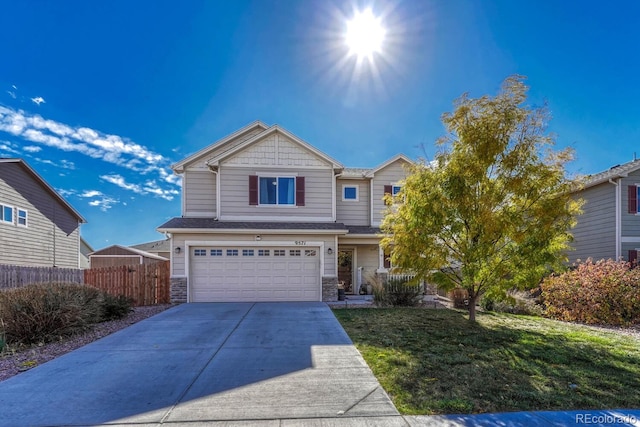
(26, 218)
(2, 219)
(356, 187)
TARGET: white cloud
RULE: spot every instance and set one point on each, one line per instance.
(104, 203)
(64, 164)
(95, 144)
(7, 148)
(12, 94)
(32, 149)
(91, 193)
(38, 100)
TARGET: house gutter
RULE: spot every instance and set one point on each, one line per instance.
(618, 190)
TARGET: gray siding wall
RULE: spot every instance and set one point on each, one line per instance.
(234, 195)
(52, 235)
(595, 232)
(351, 212)
(199, 191)
(392, 174)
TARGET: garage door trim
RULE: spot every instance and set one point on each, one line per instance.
(320, 245)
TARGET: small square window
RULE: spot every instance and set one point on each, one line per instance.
(279, 252)
(200, 252)
(395, 189)
(247, 252)
(263, 252)
(22, 217)
(232, 252)
(216, 252)
(294, 252)
(350, 192)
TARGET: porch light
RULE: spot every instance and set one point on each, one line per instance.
(177, 250)
(330, 251)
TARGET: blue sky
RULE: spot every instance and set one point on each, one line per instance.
(100, 97)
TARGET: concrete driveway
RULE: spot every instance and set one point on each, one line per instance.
(204, 363)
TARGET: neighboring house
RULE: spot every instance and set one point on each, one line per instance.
(159, 247)
(116, 255)
(268, 217)
(37, 226)
(610, 224)
(85, 250)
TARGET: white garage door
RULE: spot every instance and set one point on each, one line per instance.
(231, 274)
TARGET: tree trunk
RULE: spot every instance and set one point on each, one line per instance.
(472, 307)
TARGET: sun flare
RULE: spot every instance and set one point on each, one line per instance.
(365, 34)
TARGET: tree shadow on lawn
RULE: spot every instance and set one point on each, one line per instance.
(438, 362)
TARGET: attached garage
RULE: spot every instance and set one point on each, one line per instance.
(261, 273)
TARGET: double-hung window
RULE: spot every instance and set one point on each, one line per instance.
(277, 190)
(6, 214)
(22, 218)
(634, 199)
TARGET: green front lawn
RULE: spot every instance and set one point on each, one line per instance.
(436, 362)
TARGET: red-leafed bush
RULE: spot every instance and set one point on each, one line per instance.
(604, 292)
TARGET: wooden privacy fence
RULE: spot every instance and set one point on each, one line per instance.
(14, 276)
(145, 284)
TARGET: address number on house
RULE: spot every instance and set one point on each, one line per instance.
(300, 242)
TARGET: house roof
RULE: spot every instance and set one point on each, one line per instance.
(395, 158)
(273, 129)
(45, 185)
(131, 250)
(179, 166)
(617, 171)
(210, 223)
(156, 246)
(363, 229)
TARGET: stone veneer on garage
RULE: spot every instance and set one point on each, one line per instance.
(179, 289)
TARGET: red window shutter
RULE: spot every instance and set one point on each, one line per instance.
(253, 190)
(299, 190)
(387, 261)
(633, 199)
(633, 257)
(387, 189)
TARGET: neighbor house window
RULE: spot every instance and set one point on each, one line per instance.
(633, 192)
(6, 214)
(22, 217)
(350, 192)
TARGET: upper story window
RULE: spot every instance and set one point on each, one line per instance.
(22, 217)
(395, 189)
(6, 214)
(276, 190)
(350, 192)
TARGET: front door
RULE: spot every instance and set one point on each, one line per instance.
(345, 270)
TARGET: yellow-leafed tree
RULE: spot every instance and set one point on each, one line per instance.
(493, 210)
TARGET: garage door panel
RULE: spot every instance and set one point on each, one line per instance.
(254, 274)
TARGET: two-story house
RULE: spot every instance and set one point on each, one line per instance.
(610, 224)
(268, 217)
(37, 226)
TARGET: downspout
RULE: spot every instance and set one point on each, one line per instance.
(618, 216)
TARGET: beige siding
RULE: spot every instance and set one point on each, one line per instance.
(351, 212)
(595, 232)
(52, 235)
(178, 260)
(199, 191)
(234, 196)
(390, 175)
(367, 258)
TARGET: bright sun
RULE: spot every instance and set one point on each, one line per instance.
(365, 34)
